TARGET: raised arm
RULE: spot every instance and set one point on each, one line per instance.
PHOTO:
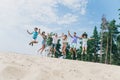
(40, 32)
(61, 35)
(80, 37)
(91, 38)
(29, 32)
(69, 34)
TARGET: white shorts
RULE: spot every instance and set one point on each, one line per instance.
(84, 45)
(73, 45)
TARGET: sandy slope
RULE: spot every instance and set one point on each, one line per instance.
(26, 67)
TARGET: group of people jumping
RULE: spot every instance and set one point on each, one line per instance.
(51, 40)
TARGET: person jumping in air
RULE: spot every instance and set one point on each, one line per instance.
(35, 35)
(49, 41)
(64, 44)
(43, 41)
(55, 41)
(84, 42)
(73, 43)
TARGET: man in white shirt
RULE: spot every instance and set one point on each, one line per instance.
(55, 40)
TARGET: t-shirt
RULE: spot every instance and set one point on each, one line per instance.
(64, 41)
(35, 34)
(74, 39)
(55, 39)
(49, 41)
(84, 40)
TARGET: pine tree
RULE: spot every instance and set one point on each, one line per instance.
(112, 46)
(93, 46)
(119, 13)
(116, 57)
(58, 53)
(109, 46)
(96, 45)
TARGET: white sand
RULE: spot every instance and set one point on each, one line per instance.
(26, 67)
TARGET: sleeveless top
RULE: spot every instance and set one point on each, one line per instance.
(64, 41)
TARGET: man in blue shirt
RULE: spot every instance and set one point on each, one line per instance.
(73, 43)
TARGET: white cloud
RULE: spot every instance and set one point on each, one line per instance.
(20, 12)
(18, 15)
(67, 19)
(77, 5)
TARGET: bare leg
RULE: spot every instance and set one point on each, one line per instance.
(74, 49)
(39, 49)
(86, 50)
(82, 54)
(35, 41)
(32, 42)
(43, 47)
(71, 51)
(64, 51)
(54, 51)
(83, 50)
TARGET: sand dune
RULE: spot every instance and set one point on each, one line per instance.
(26, 67)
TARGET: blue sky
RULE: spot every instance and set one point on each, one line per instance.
(59, 16)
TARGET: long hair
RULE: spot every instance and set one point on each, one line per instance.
(65, 37)
(43, 32)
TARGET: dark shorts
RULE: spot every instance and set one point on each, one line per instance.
(54, 45)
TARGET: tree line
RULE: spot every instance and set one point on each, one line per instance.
(104, 49)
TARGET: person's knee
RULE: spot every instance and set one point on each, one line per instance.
(74, 49)
(64, 49)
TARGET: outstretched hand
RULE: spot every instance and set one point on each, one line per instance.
(29, 32)
(81, 37)
(39, 31)
(91, 38)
